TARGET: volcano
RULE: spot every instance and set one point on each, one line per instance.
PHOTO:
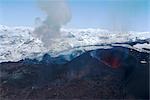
(83, 64)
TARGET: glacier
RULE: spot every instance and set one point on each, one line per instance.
(17, 43)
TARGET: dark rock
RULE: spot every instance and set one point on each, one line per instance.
(115, 73)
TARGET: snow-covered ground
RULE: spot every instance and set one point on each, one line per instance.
(18, 43)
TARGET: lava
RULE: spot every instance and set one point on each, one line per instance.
(112, 61)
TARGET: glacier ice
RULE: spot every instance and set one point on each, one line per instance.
(18, 43)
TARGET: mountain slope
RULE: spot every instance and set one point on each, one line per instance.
(115, 73)
(18, 43)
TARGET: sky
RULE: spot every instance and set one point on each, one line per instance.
(125, 15)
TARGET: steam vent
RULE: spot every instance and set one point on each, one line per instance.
(100, 69)
(74, 49)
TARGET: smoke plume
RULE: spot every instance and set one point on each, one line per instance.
(58, 14)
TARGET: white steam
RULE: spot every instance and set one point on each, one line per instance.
(58, 14)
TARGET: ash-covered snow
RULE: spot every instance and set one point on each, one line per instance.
(144, 45)
(18, 43)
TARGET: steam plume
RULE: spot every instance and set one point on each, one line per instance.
(58, 14)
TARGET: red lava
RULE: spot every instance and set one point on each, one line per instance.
(112, 61)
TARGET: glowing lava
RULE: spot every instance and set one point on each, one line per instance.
(112, 61)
